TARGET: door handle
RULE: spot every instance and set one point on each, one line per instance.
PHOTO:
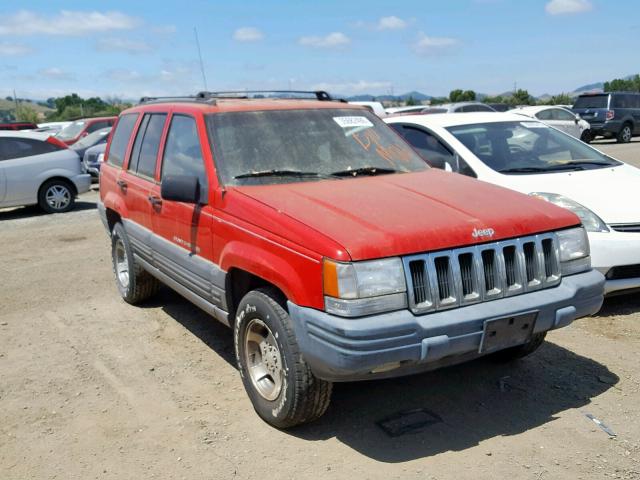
(155, 201)
(122, 184)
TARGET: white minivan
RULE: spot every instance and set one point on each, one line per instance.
(36, 168)
(531, 157)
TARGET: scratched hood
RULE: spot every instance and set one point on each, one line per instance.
(388, 215)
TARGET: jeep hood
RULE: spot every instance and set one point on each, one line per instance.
(389, 215)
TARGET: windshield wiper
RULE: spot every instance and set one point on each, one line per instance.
(282, 173)
(586, 162)
(364, 171)
(523, 170)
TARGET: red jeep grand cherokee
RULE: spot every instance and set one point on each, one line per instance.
(332, 250)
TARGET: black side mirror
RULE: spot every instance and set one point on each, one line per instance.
(181, 188)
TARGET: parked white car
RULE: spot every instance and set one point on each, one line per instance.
(36, 168)
(52, 127)
(529, 156)
(560, 118)
(405, 109)
(374, 107)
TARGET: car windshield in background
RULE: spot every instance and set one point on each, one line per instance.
(282, 146)
(591, 101)
(71, 131)
(92, 139)
(528, 147)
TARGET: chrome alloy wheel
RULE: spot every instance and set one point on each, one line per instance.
(58, 197)
(626, 134)
(121, 264)
(263, 359)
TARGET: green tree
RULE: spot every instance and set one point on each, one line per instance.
(411, 101)
(631, 84)
(468, 96)
(496, 99)
(521, 97)
(455, 95)
(25, 113)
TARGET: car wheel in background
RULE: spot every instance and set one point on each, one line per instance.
(625, 134)
(56, 196)
(587, 136)
(134, 283)
(280, 384)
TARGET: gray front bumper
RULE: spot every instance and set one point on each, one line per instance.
(346, 349)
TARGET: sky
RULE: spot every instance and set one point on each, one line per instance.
(127, 49)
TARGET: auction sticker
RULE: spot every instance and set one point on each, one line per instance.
(353, 122)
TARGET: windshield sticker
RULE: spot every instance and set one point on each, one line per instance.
(353, 122)
(533, 125)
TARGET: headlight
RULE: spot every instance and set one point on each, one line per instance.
(590, 220)
(574, 251)
(362, 288)
(100, 158)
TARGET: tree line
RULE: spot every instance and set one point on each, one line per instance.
(69, 107)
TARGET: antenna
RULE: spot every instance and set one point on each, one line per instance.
(204, 77)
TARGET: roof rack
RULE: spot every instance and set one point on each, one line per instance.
(271, 94)
(188, 98)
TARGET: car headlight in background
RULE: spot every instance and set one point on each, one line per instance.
(100, 158)
(363, 288)
(590, 220)
(573, 245)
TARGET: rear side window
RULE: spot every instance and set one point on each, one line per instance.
(98, 125)
(626, 100)
(147, 144)
(120, 140)
(11, 148)
(182, 152)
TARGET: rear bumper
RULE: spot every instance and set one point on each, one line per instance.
(608, 128)
(82, 182)
(342, 349)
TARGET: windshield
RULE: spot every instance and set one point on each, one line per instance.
(592, 101)
(92, 139)
(528, 146)
(278, 146)
(71, 131)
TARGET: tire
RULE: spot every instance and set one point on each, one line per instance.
(625, 134)
(56, 196)
(283, 390)
(134, 283)
(587, 136)
(521, 351)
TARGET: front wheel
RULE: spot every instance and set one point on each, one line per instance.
(625, 134)
(520, 351)
(56, 196)
(283, 390)
(587, 136)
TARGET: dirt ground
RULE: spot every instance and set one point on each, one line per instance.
(91, 387)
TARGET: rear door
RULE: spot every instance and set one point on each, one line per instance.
(183, 240)
(565, 121)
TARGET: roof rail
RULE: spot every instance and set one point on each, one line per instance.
(283, 94)
(187, 98)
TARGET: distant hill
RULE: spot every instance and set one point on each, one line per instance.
(10, 106)
(590, 87)
(418, 96)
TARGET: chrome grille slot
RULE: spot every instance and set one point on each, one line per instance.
(459, 277)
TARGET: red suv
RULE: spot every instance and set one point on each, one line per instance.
(81, 128)
(332, 250)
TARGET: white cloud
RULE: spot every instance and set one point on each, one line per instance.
(426, 45)
(391, 23)
(55, 73)
(66, 22)
(361, 86)
(122, 45)
(13, 49)
(332, 40)
(561, 7)
(248, 34)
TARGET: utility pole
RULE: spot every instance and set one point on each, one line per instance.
(15, 99)
(204, 77)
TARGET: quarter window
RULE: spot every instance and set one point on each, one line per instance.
(182, 152)
(544, 115)
(559, 114)
(120, 140)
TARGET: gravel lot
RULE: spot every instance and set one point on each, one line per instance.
(91, 387)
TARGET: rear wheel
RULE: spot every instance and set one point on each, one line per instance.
(587, 136)
(56, 196)
(625, 134)
(515, 353)
(283, 390)
(134, 283)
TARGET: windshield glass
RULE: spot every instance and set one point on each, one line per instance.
(591, 101)
(278, 146)
(528, 146)
(71, 131)
(92, 139)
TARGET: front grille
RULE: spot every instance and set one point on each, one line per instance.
(463, 276)
(623, 272)
(626, 227)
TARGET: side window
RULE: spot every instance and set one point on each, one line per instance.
(559, 114)
(635, 101)
(427, 146)
(146, 146)
(619, 100)
(544, 115)
(182, 152)
(11, 148)
(120, 139)
(97, 126)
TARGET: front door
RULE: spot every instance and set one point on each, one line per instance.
(183, 240)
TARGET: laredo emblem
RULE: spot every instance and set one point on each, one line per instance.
(485, 232)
